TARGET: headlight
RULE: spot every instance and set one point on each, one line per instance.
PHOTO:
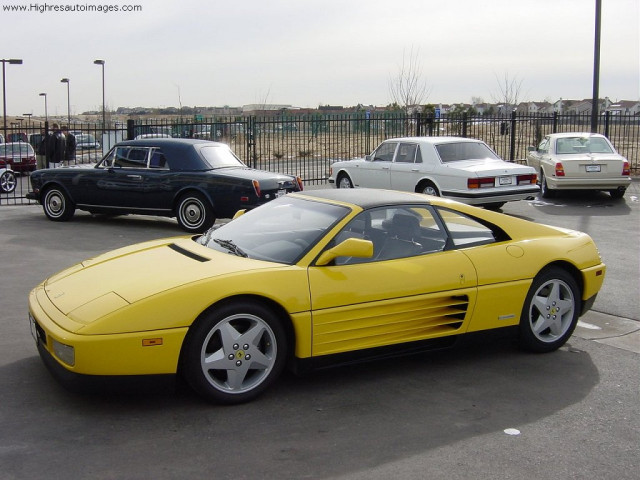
(65, 353)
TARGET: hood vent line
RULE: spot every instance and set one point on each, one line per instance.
(187, 253)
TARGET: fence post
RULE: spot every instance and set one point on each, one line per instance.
(418, 124)
(512, 146)
(251, 141)
(464, 125)
(130, 129)
(606, 123)
(555, 122)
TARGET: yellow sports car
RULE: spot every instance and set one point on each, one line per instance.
(309, 279)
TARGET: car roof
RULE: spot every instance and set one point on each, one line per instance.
(366, 197)
(574, 134)
(434, 140)
(167, 142)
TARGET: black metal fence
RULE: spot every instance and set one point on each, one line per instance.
(307, 145)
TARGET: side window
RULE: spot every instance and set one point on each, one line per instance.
(396, 232)
(406, 153)
(544, 146)
(465, 231)
(158, 160)
(384, 153)
(131, 157)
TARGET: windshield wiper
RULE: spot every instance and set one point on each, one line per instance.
(232, 247)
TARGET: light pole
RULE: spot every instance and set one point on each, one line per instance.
(46, 114)
(66, 80)
(104, 122)
(10, 61)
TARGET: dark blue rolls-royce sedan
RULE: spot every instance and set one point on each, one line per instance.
(195, 181)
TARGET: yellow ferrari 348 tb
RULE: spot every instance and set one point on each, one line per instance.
(310, 279)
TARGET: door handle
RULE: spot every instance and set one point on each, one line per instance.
(135, 177)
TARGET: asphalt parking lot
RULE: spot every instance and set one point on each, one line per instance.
(485, 412)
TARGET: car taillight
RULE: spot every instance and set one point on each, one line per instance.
(485, 182)
(299, 181)
(625, 169)
(530, 179)
(256, 187)
(559, 170)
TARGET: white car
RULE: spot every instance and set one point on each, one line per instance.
(577, 161)
(462, 169)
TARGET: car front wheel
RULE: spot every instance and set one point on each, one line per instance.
(232, 354)
(550, 312)
(194, 213)
(344, 181)
(57, 205)
(7, 181)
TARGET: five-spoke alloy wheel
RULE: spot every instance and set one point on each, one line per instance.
(550, 311)
(233, 353)
(7, 181)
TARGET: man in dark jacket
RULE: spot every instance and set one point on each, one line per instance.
(70, 145)
(56, 145)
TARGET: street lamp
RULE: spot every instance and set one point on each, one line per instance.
(10, 61)
(66, 80)
(101, 62)
(46, 114)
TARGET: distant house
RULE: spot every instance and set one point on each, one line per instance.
(535, 108)
(625, 107)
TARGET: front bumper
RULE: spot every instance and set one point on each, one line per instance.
(138, 353)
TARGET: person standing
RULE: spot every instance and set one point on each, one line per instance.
(56, 145)
(41, 152)
(70, 145)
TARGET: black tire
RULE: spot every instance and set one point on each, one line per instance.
(428, 188)
(7, 181)
(617, 193)
(235, 352)
(545, 191)
(550, 312)
(343, 181)
(194, 213)
(494, 206)
(57, 205)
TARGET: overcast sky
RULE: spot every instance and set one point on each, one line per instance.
(307, 53)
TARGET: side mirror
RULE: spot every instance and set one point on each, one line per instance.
(367, 158)
(239, 213)
(531, 149)
(351, 247)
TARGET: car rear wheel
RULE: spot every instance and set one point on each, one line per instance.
(235, 352)
(550, 311)
(7, 181)
(617, 193)
(428, 188)
(57, 205)
(344, 181)
(545, 191)
(194, 213)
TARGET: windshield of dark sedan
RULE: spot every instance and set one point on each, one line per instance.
(453, 152)
(282, 230)
(219, 156)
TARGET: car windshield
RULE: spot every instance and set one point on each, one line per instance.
(15, 149)
(454, 152)
(282, 230)
(578, 145)
(219, 156)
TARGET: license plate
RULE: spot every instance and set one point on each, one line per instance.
(32, 327)
(593, 168)
(505, 180)
(281, 193)
(17, 160)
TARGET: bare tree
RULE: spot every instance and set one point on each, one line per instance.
(408, 88)
(509, 90)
